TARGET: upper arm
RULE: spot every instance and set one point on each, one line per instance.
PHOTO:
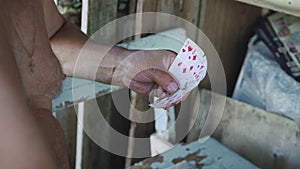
(53, 19)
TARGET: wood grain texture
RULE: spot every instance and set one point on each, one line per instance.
(138, 112)
(150, 6)
(100, 12)
(67, 119)
(190, 10)
(229, 25)
(266, 139)
(209, 155)
(94, 156)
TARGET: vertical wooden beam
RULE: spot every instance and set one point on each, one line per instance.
(68, 121)
(166, 6)
(95, 156)
(190, 10)
(150, 6)
(140, 130)
(139, 102)
(100, 12)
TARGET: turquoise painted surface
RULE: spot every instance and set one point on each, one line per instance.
(208, 155)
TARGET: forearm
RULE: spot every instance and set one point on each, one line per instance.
(96, 62)
(142, 71)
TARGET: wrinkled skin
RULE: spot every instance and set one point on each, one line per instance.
(146, 72)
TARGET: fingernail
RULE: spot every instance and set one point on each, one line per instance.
(172, 87)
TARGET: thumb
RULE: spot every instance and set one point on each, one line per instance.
(164, 79)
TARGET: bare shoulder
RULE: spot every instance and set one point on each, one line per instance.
(53, 19)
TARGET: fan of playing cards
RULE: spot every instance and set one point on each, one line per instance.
(189, 68)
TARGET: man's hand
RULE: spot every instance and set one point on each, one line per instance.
(146, 72)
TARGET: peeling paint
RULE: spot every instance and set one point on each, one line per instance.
(146, 164)
(209, 155)
(195, 157)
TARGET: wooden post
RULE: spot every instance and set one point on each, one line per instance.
(139, 102)
(100, 12)
(95, 156)
(68, 121)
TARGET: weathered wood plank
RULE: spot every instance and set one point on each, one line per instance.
(229, 25)
(76, 90)
(68, 121)
(100, 12)
(95, 156)
(189, 10)
(209, 155)
(190, 112)
(150, 6)
(140, 130)
(265, 139)
(167, 6)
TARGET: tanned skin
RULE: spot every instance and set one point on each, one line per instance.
(38, 48)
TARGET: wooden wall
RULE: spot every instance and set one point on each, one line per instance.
(229, 25)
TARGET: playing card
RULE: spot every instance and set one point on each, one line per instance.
(170, 100)
(189, 68)
(189, 64)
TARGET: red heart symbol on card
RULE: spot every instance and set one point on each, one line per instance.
(183, 50)
(190, 48)
(179, 64)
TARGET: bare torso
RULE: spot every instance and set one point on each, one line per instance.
(28, 38)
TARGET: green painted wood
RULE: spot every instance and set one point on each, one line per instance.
(209, 155)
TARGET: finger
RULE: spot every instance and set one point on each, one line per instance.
(142, 88)
(164, 79)
(158, 91)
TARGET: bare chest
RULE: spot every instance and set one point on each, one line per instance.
(39, 68)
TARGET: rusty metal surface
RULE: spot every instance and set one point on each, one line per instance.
(208, 155)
